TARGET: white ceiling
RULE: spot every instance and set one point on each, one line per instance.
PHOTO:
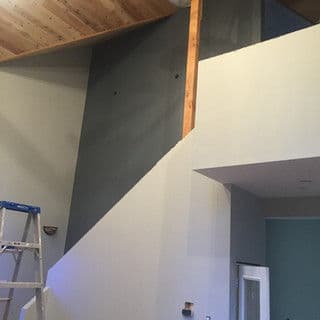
(290, 178)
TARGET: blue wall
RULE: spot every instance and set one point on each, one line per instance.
(279, 20)
(293, 255)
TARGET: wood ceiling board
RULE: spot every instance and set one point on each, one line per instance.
(28, 27)
(309, 9)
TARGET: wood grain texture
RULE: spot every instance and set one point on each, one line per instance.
(192, 67)
(309, 9)
(29, 27)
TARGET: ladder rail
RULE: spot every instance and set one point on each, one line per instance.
(2, 215)
(17, 268)
(20, 285)
(19, 244)
(39, 273)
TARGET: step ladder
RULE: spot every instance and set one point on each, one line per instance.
(17, 248)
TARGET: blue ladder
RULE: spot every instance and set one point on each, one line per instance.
(17, 248)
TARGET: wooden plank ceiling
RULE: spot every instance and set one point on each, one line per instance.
(29, 27)
(309, 9)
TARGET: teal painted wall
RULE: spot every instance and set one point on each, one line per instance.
(293, 255)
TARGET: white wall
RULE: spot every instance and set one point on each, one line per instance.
(41, 107)
(260, 103)
(164, 243)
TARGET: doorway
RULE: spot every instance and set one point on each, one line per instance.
(254, 293)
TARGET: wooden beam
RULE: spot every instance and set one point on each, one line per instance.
(192, 67)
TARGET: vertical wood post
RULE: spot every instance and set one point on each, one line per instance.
(192, 67)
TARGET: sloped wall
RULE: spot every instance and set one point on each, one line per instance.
(164, 243)
(135, 102)
(41, 107)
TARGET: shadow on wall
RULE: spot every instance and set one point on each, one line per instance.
(49, 67)
(41, 108)
(26, 101)
(28, 156)
(279, 20)
(229, 25)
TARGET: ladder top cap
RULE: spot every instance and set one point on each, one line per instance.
(19, 207)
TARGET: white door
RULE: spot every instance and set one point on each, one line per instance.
(254, 293)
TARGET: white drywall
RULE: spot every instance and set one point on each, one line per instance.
(276, 179)
(164, 243)
(41, 107)
(260, 103)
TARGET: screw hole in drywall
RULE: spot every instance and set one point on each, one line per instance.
(115, 93)
(177, 76)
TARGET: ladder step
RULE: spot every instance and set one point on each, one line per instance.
(19, 245)
(21, 285)
(19, 207)
(11, 251)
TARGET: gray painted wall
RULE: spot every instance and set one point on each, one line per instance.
(135, 99)
(279, 20)
(293, 270)
(247, 243)
(292, 207)
(249, 240)
(293, 256)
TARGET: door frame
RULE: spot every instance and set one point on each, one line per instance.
(261, 275)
